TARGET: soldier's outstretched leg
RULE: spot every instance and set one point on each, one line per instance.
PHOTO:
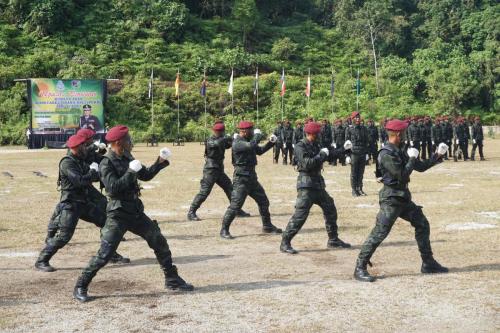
(325, 201)
(52, 227)
(354, 166)
(66, 223)
(111, 235)
(149, 231)
(413, 214)
(303, 205)
(225, 183)
(258, 193)
(238, 197)
(206, 185)
(389, 212)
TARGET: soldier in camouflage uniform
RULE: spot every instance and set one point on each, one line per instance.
(79, 199)
(373, 148)
(287, 139)
(245, 183)
(477, 139)
(279, 143)
(358, 135)
(338, 141)
(213, 170)
(120, 173)
(427, 138)
(311, 189)
(394, 169)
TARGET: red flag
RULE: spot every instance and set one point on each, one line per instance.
(283, 85)
(308, 86)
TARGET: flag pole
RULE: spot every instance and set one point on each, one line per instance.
(257, 94)
(178, 108)
(152, 104)
(232, 94)
(358, 88)
(282, 96)
(333, 93)
(205, 102)
(309, 87)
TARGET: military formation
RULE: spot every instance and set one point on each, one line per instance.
(396, 148)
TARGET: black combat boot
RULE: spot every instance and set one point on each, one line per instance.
(42, 263)
(361, 273)
(192, 215)
(242, 213)
(119, 259)
(360, 191)
(269, 228)
(286, 247)
(430, 265)
(224, 232)
(355, 192)
(335, 242)
(81, 288)
(174, 282)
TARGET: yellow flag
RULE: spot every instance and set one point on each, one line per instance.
(177, 84)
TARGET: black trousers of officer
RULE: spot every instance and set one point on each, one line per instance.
(358, 162)
(306, 198)
(288, 153)
(65, 218)
(118, 222)
(277, 150)
(390, 209)
(244, 186)
(479, 143)
(210, 178)
(448, 143)
(373, 152)
(426, 149)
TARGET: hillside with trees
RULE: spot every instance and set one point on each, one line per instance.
(415, 57)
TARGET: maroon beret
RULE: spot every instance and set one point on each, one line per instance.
(219, 127)
(312, 128)
(245, 125)
(75, 140)
(87, 133)
(116, 133)
(396, 125)
(355, 114)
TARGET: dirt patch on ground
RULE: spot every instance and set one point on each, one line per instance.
(247, 285)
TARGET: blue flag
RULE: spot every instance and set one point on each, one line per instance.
(203, 89)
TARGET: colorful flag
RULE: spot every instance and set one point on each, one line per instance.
(177, 84)
(256, 83)
(283, 85)
(231, 85)
(358, 85)
(150, 85)
(308, 85)
(203, 89)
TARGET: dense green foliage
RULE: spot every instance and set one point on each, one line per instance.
(434, 57)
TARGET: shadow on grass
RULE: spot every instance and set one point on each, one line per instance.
(464, 269)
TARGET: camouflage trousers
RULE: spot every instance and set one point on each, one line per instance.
(65, 218)
(244, 186)
(358, 162)
(390, 209)
(210, 178)
(118, 222)
(306, 198)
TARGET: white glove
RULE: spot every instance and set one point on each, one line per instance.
(293, 146)
(406, 142)
(165, 153)
(273, 138)
(433, 143)
(457, 142)
(100, 145)
(284, 145)
(334, 145)
(412, 152)
(383, 145)
(379, 179)
(94, 166)
(348, 145)
(420, 142)
(411, 143)
(257, 131)
(235, 135)
(348, 160)
(473, 140)
(367, 157)
(442, 149)
(325, 150)
(135, 165)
